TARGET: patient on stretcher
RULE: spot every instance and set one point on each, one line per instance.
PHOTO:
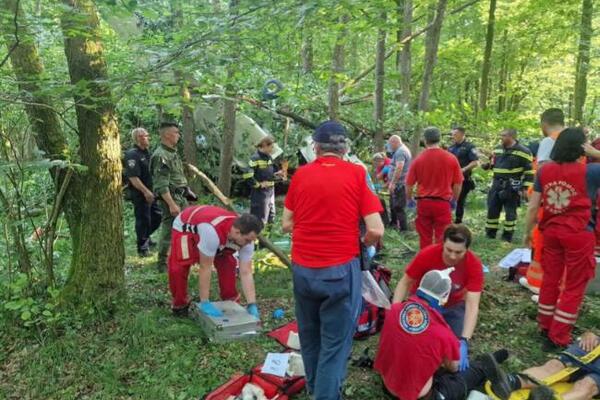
(574, 375)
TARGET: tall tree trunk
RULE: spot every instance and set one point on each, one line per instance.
(47, 131)
(405, 55)
(307, 53)
(379, 85)
(503, 75)
(28, 69)
(96, 276)
(432, 40)
(583, 60)
(229, 110)
(337, 68)
(487, 57)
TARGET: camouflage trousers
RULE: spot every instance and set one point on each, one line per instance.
(164, 243)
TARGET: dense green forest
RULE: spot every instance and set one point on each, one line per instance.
(77, 75)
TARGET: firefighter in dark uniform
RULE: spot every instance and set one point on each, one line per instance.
(137, 170)
(466, 153)
(513, 175)
(261, 175)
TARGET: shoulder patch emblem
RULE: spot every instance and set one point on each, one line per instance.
(414, 318)
(131, 163)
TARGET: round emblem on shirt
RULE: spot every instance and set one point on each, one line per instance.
(558, 195)
(131, 163)
(414, 318)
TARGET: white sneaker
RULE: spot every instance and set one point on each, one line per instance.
(523, 282)
(535, 298)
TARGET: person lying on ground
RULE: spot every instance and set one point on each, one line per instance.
(586, 383)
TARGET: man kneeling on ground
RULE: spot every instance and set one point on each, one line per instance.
(212, 235)
(416, 342)
(586, 381)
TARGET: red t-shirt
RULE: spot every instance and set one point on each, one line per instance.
(414, 342)
(466, 277)
(328, 198)
(434, 171)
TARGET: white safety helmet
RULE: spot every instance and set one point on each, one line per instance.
(437, 285)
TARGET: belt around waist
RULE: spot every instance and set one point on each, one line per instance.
(431, 198)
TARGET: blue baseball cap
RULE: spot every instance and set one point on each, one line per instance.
(326, 130)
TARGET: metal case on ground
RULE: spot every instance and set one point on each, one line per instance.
(235, 324)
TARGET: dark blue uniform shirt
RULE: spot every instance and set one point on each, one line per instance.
(137, 164)
(465, 152)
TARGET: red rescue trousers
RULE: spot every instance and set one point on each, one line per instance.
(433, 216)
(184, 254)
(570, 255)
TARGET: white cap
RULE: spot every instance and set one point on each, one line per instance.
(437, 284)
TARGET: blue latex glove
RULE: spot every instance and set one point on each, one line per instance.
(209, 309)
(371, 251)
(464, 355)
(253, 310)
(453, 204)
(412, 204)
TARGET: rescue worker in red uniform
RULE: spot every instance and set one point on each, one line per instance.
(209, 235)
(462, 308)
(439, 178)
(418, 356)
(564, 187)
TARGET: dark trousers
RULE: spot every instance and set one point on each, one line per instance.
(502, 197)
(467, 186)
(398, 206)
(147, 220)
(327, 307)
(262, 204)
(449, 386)
(455, 317)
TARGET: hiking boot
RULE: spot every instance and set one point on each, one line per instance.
(181, 311)
(541, 392)
(497, 377)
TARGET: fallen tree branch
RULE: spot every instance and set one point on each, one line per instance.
(228, 204)
(301, 120)
(281, 111)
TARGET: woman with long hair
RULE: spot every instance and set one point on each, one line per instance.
(563, 188)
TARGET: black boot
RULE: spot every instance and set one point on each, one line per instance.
(496, 376)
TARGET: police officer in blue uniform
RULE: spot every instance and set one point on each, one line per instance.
(137, 170)
(466, 153)
(513, 175)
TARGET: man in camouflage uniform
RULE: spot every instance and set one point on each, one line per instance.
(170, 185)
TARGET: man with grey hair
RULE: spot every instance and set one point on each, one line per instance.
(326, 201)
(397, 179)
(137, 170)
(439, 178)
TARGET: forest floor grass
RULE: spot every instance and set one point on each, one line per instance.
(146, 353)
